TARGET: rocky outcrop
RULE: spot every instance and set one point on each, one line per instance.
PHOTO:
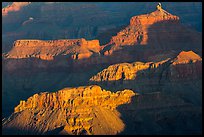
(81, 110)
(186, 57)
(124, 71)
(184, 67)
(158, 30)
(47, 50)
(137, 32)
(15, 6)
(154, 17)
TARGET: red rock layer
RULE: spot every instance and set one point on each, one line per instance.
(47, 50)
(15, 6)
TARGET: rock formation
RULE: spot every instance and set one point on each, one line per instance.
(129, 71)
(186, 57)
(15, 6)
(185, 66)
(47, 50)
(81, 110)
(137, 32)
(159, 30)
(159, 7)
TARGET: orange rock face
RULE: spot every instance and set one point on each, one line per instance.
(15, 6)
(185, 57)
(47, 50)
(90, 109)
(154, 17)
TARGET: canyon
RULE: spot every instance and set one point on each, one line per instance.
(144, 77)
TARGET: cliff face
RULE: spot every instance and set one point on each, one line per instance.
(52, 54)
(15, 6)
(158, 30)
(81, 110)
(154, 17)
(47, 50)
(185, 66)
(137, 31)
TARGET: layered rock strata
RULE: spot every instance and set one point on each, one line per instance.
(47, 50)
(186, 66)
(82, 110)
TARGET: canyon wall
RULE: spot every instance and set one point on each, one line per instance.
(186, 66)
(81, 110)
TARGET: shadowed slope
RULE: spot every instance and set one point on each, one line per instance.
(161, 113)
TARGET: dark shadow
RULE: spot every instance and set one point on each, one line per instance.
(17, 131)
(106, 36)
(55, 131)
(160, 114)
(167, 35)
